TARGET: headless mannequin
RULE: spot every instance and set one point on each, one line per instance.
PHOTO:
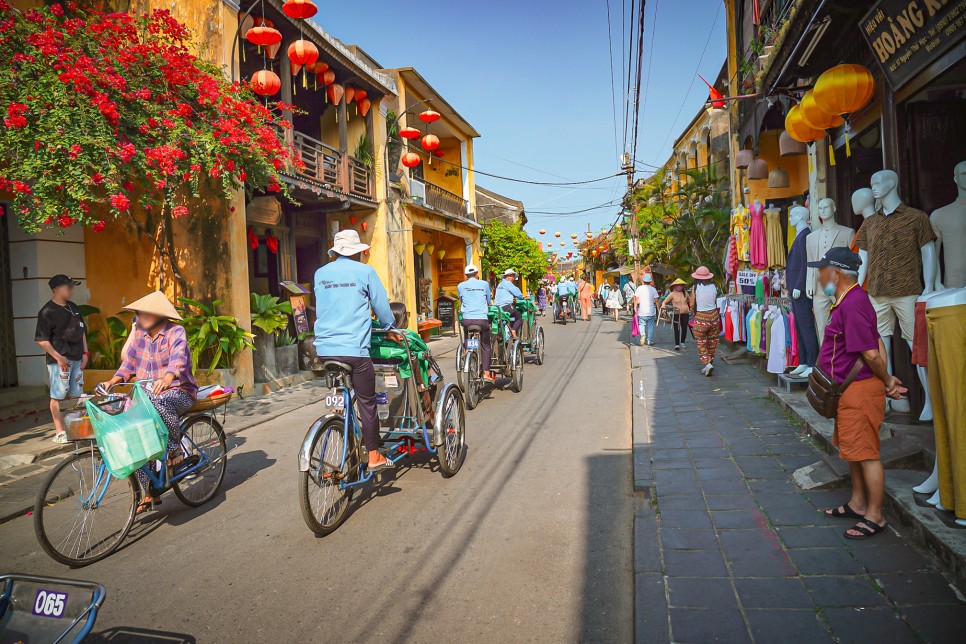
(796, 274)
(949, 224)
(885, 189)
(828, 235)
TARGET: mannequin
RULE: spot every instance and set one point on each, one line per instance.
(829, 235)
(891, 267)
(863, 205)
(949, 224)
(796, 275)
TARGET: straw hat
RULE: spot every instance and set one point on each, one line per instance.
(702, 273)
(156, 303)
(347, 244)
(679, 282)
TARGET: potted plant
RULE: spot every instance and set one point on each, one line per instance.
(393, 149)
(214, 341)
(286, 354)
(269, 316)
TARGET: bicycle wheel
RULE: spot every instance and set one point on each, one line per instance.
(323, 502)
(207, 438)
(82, 513)
(472, 379)
(539, 349)
(453, 450)
(516, 382)
(460, 354)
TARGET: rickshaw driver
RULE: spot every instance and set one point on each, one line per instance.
(346, 290)
(474, 305)
(506, 294)
(563, 295)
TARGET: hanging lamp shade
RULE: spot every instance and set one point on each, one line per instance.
(360, 94)
(758, 169)
(420, 247)
(815, 117)
(573, 235)
(363, 106)
(410, 159)
(778, 178)
(556, 234)
(326, 77)
(300, 9)
(302, 52)
(430, 142)
(844, 89)
(441, 254)
(543, 231)
(317, 68)
(429, 116)
(259, 21)
(796, 127)
(265, 82)
(431, 247)
(439, 154)
(263, 36)
(409, 133)
(744, 158)
(335, 93)
(350, 92)
(272, 50)
(789, 147)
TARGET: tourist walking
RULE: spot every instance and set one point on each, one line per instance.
(615, 301)
(629, 289)
(645, 305)
(602, 293)
(680, 307)
(707, 320)
(585, 291)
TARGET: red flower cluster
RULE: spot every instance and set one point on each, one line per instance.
(120, 202)
(15, 118)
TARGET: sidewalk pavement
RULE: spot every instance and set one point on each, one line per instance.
(19, 484)
(730, 549)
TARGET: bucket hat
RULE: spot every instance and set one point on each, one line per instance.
(509, 272)
(347, 243)
(156, 303)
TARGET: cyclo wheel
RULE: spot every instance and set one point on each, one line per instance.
(209, 439)
(516, 381)
(452, 452)
(82, 513)
(539, 349)
(472, 378)
(460, 354)
(324, 504)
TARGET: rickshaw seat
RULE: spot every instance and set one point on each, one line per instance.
(474, 327)
(21, 621)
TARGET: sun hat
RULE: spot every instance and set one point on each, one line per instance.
(347, 243)
(647, 278)
(679, 282)
(471, 269)
(60, 280)
(509, 272)
(702, 273)
(156, 303)
(838, 257)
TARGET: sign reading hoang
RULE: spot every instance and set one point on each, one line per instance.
(907, 35)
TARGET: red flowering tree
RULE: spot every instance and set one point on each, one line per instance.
(114, 109)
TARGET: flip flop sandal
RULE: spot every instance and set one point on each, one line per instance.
(387, 464)
(144, 506)
(866, 528)
(845, 513)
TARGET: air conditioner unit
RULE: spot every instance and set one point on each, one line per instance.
(417, 189)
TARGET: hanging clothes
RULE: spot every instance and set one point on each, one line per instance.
(741, 229)
(778, 347)
(758, 238)
(776, 239)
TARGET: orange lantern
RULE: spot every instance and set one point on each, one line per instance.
(844, 89)
(799, 130)
(439, 154)
(300, 9)
(335, 93)
(364, 105)
(815, 117)
(410, 159)
(349, 93)
(327, 77)
(563, 243)
(263, 36)
(265, 82)
(409, 133)
(429, 116)
(259, 21)
(543, 231)
(573, 235)
(430, 142)
(361, 94)
(317, 67)
(556, 234)
(365, 226)
(302, 52)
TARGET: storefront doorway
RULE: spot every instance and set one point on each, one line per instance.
(8, 348)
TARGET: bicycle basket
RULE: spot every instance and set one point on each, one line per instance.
(128, 437)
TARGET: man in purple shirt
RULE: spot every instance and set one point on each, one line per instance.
(852, 341)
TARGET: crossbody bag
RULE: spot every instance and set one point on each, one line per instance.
(824, 393)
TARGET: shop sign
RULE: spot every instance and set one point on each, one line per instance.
(907, 35)
(445, 311)
(450, 272)
(746, 278)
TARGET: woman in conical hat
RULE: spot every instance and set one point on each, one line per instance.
(157, 351)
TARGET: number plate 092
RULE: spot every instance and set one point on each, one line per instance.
(49, 603)
(335, 400)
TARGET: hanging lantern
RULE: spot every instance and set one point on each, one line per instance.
(317, 67)
(349, 93)
(361, 94)
(429, 116)
(265, 82)
(302, 52)
(778, 178)
(789, 147)
(272, 50)
(844, 89)
(439, 154)
(799, 130)
(815, 117)
(263, 36)
(431, 247)
(430, 142)
(352, 219)
(556, 234)
(327, 77)
(410, 159)
(409, 133)
(420, 247)
(573, 235)
(300, 9)
(441, 254)
(335, 93)
(543, 231)
(758, 169)
(744, 158)
(365, 226)
(259, 21)
(363, 106)
(563, 243)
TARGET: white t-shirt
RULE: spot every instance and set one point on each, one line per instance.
(646, 294)
(706, 297)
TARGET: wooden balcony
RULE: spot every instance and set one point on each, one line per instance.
(439, 199)
(326, 165)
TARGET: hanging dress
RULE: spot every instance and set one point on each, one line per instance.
(776, 239)
(740, 228)
(758, 238)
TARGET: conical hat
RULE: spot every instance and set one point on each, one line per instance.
(156, 303)
(679, 281)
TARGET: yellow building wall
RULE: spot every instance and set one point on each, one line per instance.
(796, 167)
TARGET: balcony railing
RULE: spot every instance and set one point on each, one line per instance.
(360, 178)
(445, 200)
(327, 165)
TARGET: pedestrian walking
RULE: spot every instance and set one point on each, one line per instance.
(629, 289)
(62, 334)
(602, 293)
(585, 291)
(707, 321)
(542, 298)
(615, 301)
(853, 351)
(680, 307)
(646, 303)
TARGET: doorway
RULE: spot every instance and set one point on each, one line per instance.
(8, 348)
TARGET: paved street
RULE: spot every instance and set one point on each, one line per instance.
(531, 541)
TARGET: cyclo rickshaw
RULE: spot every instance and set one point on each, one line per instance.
(48, 609)
(418, 412)
(506, 356)
(531, 334)
(564, 306)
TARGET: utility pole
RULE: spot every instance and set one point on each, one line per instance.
(628, 168)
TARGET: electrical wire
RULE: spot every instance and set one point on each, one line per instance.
(628, 122)
(637, 88)
(613, 93)
(573, 212)
(650, 61)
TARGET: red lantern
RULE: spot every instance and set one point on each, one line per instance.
(263, 36)
(327, 77)
(439, 154)
(300, 9)
(410, 159)
(360, 94)
(272, 50)
(265, 82)
(349, 93)
(409, 133)
(430, 142)
(363, 106)
(302, 52)
(429, 116)
(335, 92)
(543, 231)
(259, 21)
(317, 67)
(352, 219)
(365, 226)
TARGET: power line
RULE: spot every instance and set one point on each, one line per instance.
(650, 60)
(630, 72)
(613, 98)
(608, 204)
(637, 89)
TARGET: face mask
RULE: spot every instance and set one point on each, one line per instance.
(828, 289)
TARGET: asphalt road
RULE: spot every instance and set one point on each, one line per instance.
(531, 541)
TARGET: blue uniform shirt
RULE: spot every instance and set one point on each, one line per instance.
(562, 289)
(474, 298)
(572, 288)
(345, 290)
(506, 291)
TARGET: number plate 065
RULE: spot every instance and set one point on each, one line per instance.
(50, 603)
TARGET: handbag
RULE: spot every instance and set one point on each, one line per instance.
(693, 317)
(824, 393)
(635, 327)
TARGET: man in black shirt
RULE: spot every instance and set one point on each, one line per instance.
(62, 334)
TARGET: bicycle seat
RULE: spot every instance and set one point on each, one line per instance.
(335, 365)
(474, 327)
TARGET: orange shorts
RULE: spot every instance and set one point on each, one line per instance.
(861, 412)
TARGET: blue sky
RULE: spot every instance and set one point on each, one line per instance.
(533, 77)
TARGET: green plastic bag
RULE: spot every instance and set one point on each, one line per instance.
(131, 439)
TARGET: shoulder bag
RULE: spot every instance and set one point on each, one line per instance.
(824, 393)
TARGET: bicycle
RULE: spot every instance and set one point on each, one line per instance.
(506, 357)
(83, 512)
